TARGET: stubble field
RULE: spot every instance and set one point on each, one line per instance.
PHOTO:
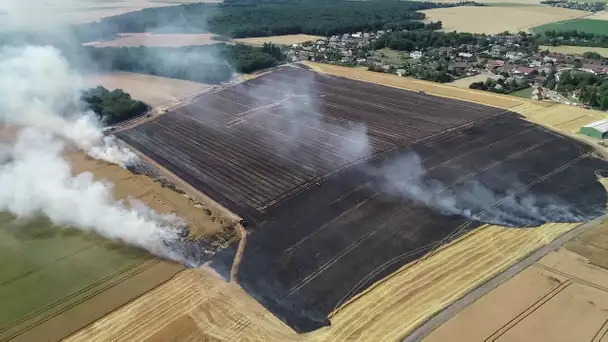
(153, 90)
(83, 11)
(156, 40)
(493, 20)
(280, 40)
(562, 297)
(315, 211)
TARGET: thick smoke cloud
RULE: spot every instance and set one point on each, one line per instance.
(407, 177)
(38, 89)
(37, 180)
(40, 99)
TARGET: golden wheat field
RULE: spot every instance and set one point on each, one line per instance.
(281, 40)
(562, 297)
(492, 20)
(156, 40)
(408, 83)
(389, 310)
(49, 15)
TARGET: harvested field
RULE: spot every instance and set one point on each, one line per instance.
(156, 40)
(413, 84)
(562, 297)
(602, 15)
(281, 40)
(82, 11)
(291, 152)
(575, 50)
(153, 90)
(493, 20)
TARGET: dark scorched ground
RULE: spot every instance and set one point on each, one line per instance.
(288, 152)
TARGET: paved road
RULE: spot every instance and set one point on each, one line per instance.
(472, 296)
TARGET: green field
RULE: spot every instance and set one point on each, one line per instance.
(54, 281)
(581, 25)
(388, 56)
(525, 93)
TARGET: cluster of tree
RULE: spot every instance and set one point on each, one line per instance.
(244, 18)
(206, 64)
(593, 55)
(112, 106)
(498, 86)
(427, 38)
(572, 37)
(591, 90)
(435, 71)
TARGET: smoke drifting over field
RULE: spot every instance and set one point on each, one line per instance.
(407, 177)
(298, 119)
(40, 99)
(404, 176)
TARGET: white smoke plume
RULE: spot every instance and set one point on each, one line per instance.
(38, 89)
(407, 177)
(37, 180)
(40, 98)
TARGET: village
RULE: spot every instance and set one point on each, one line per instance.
(506, 63)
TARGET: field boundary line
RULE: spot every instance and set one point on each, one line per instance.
(439, 318)
(190, 188)
(530, 309)
(56, 261)
(125, 274)
(236, 262)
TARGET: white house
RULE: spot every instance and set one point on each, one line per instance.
(514, 55)
(415, 54)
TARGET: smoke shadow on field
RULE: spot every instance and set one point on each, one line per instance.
(38, 228)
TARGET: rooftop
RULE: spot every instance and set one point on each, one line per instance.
(601, 126)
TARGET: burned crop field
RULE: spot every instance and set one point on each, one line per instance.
(343, 182)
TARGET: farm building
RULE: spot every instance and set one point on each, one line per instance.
(598, 129)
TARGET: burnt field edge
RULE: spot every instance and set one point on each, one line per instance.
(302, 311)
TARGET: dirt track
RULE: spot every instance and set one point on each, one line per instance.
(484, 289)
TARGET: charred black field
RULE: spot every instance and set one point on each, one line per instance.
(343, 182)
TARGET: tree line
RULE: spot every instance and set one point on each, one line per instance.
(112, 106)
(572, 37)
(425, 38)
(207, 64)
(244, 18)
